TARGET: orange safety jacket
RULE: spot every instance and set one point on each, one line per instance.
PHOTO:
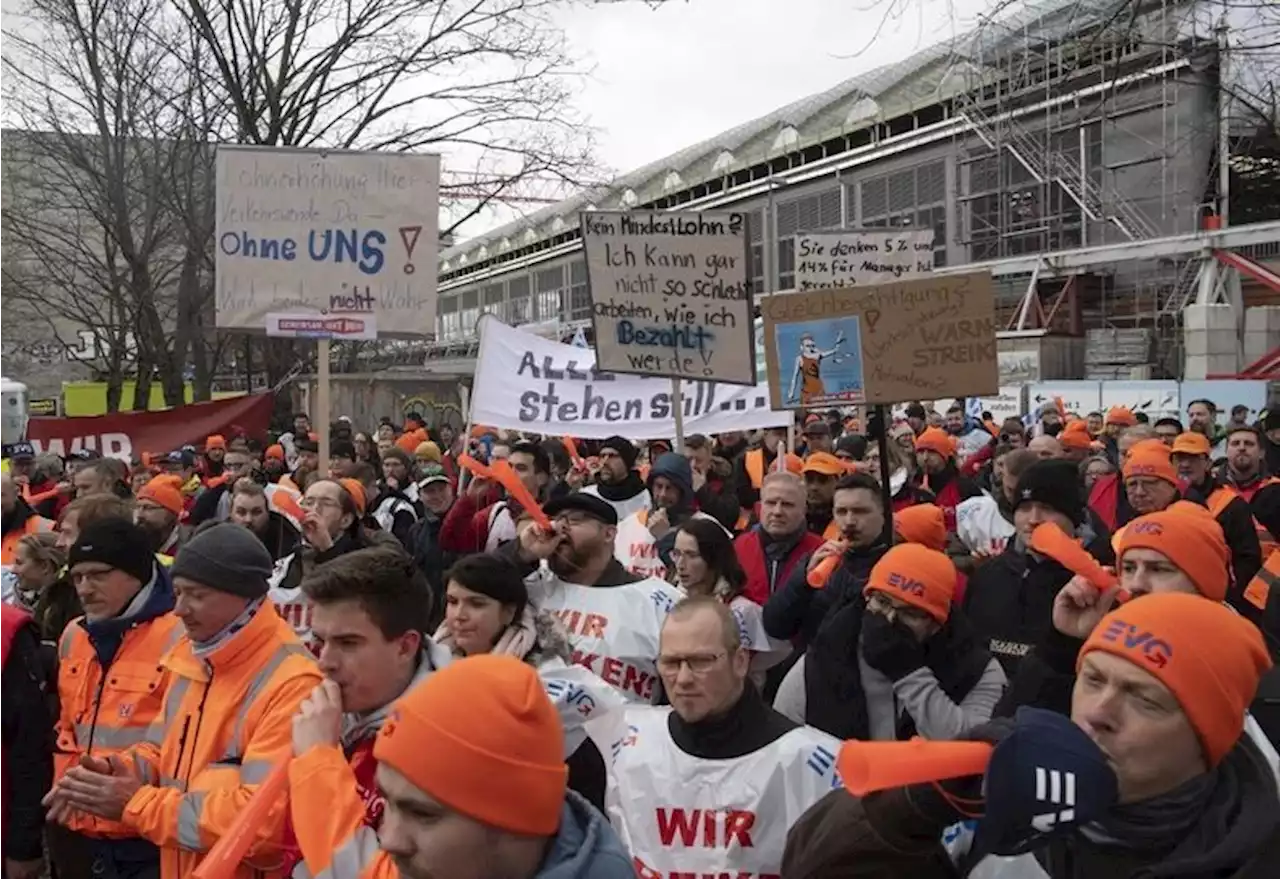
(106, 711)
(9, 543)
(227, 719)
(1225, 494)
(330, 815)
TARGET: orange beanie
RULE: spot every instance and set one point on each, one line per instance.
(161, 490)
(356, 490)
(935, 439)
(1150, 458)
(275, 450)
(1209, 657)
(500, 761)
(918, 576)
(1121, 416)
(1189, 536)
(923, 524)
(1076, 436)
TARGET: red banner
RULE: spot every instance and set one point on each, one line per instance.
(126, 435)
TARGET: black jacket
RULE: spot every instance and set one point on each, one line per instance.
(744, 729)
(432, 560)
(28, 746)
(1009, 600)
(797, 610)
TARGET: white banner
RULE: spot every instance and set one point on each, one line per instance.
(868, 256)
(319, 231)
(531, 384)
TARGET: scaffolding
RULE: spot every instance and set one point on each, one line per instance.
(1109, 164)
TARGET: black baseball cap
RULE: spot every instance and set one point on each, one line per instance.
(593, 506)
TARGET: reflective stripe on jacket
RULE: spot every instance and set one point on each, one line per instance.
(227, 718)
(104, 713)
(330, 817)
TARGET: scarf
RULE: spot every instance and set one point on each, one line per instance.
(202, 649)
(621, 491)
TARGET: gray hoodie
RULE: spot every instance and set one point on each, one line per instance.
(585, 846)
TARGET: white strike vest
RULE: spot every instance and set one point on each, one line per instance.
(635, 548)
(292, 604)
(626, 507)
(613, 630)
(580, 697)
(502, 528)
(681, 815)
(981, 527)
(387, 510)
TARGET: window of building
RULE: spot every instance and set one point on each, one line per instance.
(812, 213)
(913, 198)
(579, 295)
(550, 284)
(493, 300)
(755, 228)
(519, 301)
(448, 325)
(469, 311)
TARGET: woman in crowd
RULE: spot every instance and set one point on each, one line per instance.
(487, 610)
(50, 598)
(706, 564)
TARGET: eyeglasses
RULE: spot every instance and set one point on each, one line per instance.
(318, 503)
(883, 604)
(699, 664)
(678, 554)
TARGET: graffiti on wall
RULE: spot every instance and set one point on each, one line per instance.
(436, 412)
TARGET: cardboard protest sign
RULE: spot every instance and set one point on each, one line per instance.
(886, 343)
(524, 382)
(320, 233)
(670, 294)
(852, 258)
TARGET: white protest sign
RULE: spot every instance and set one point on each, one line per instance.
(869, 256)
(526, 383)
(1080, 397)
(1006, 404)
(670, 294)
(329, 233)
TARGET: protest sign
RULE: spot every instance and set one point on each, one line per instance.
(126, 435)
(527, 383)
(322, 233)
(853, 258)
(670, 294)
(886, 343)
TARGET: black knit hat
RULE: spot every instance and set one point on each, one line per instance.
(1056, 484)
(225, 557)
(624, 447)
(118, 543)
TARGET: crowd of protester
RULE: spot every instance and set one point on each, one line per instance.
(652, 666)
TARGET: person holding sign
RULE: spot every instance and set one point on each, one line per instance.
(711, 784)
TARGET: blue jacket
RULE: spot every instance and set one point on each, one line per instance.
(585, 847)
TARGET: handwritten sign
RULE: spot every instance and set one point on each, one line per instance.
(670, 294)
(853, 258)
(324, 233)
(885, 343)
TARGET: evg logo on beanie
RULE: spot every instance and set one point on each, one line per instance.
(905, 584)
(1151, 648)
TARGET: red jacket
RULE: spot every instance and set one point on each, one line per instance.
(752, 558)
(465, 528)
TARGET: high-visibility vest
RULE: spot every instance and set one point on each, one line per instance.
(753, 461)
(9, 544)
(1258, 591)
(1223, 495)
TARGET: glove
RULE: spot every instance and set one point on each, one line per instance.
(890, 647)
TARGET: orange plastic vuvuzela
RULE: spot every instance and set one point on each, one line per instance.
(822, 571)
(226, 854)
(510, 480)
(478, 470)
(867, 767)
(572, 448)
(1050, 540)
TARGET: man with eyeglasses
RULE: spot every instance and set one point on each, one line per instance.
(711, 784)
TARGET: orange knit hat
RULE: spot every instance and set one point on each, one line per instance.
(1189, 536)
(918, 576)
(1076, 436)
(935, 439)
(1209, 657)
(1150, 458)
(1121, 416)
(275, 450)
(356, 490)
(923, 524)
(499, 762)
(162, 491)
